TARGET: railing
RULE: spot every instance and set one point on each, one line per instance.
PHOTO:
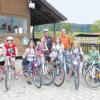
(87, 46)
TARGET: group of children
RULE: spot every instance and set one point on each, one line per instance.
(42, 49)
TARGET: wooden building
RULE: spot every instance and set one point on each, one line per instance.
(85, 40)
(16, 17)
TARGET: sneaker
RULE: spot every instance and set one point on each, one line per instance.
(29, 82)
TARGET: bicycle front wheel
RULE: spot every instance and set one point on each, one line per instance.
(91, 79)
(37, 78)
(47, 74)
(7, 78)
(59, 75)
(76, 77)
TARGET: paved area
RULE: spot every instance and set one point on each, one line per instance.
(20, 90)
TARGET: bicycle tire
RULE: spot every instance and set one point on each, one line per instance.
(95, 81)
(76, 77)
(62, 79)
(49, 77)
(36, 78)
(7, 78)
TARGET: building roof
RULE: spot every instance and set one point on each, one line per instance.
(45, 13)
(88, 35)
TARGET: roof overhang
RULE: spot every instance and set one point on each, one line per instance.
(88, 35)
(45, 13)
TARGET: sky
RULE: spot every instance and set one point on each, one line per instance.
(78, 11)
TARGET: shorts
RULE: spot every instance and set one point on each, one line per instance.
(2, 63)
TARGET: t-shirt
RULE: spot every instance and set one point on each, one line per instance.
(30, 53)
(58, 47)
(94, 54)
(10, 50)
(40, 48)
(49, 42)
(66, 41)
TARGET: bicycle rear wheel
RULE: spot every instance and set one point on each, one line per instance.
(7, 78)
(92, 80)
(48, 76)
(59, 75)
(37, 78)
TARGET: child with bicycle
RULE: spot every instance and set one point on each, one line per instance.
(29, 55)
(76, 53)
(12, 52)
(58, 48)
(41, 49)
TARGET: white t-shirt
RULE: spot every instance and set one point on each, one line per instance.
(58, 47)
(30, 54)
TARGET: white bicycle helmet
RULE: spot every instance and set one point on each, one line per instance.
(9, 38)
(1, 46)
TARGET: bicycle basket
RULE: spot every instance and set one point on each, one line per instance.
(25, 62)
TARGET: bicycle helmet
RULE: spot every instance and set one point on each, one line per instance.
(9, 38)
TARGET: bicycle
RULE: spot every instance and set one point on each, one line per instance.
(92, 75)
(59, 72)
(8, 73)
(74, 64)
(34, 72)
(47, 72)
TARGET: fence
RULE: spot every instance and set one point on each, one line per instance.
(87, 46)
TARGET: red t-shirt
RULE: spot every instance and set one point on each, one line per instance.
(10, 50)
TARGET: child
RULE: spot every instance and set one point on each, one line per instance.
(94, 53)
(2, 59)
(29, 54)
(11, 51)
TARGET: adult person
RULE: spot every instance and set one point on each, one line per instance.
(65, 39)
(48, 39)
(49, 44)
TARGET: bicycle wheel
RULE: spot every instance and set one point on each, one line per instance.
(48, 76)
(37, 78)
(76, 77)
(91, 79)
(7, 78)
(59, 75)
(85, 68)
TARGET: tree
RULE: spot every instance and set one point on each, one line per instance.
(67, 26)
(96, 26)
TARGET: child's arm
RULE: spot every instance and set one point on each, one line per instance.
(16, 50)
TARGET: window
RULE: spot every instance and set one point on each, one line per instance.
(3, 24)
(22, 25)
(14, 25)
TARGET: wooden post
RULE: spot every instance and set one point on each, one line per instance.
(33, 34)
(54, 30)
